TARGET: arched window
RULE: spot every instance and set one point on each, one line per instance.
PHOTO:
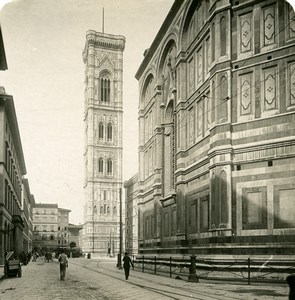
(114, 210)
(222, 36)
(105, 88)
(110, 167)
(100, 130)
(110, 132)
(100, 165)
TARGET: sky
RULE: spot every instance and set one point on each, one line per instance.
(43, 42)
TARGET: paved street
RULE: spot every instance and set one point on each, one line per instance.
(100, 279)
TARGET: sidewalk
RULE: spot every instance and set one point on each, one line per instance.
(236, 289)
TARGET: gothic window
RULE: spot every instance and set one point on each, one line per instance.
(105, 88)
(100, 130)
(110, 132)
(223, 36)
(110, 167)
(108, 210)
(114, 210)
(101, 209)
(100, 165)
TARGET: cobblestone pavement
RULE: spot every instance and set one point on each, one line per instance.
(100, 279)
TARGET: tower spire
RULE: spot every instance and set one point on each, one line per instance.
(103, 20)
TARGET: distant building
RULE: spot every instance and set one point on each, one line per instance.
(217, 130)
(131, 215)
(63, 227)
(74, 233)
(26, 214)
(12, 169)
(50, 227)
(103, 59)
(46, 227)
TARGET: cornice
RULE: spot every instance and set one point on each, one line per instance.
(103, 40)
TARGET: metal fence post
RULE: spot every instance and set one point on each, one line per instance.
(193, 270)
(155, 265)
(170, 266)
(143, 264)
(249, 271)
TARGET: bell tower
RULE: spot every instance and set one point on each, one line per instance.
(103, 109)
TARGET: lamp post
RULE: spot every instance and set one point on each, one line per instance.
(119, 263)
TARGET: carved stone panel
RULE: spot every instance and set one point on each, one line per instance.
(270, 91)
(191, 75)
(246, 94)
(200, 118)
(291, 80)
(246, 33)
(199, 66)
(269, 25)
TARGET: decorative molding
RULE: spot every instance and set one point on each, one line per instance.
(169, 200)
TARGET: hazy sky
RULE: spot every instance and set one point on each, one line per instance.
(43, 42)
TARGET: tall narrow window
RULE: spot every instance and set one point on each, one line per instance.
(109, 167)
(105, 89)
(110, 132)
(223, 36)
(100, 165)
(100, 130)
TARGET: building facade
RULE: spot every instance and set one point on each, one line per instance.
(26, 214)
(103, 59)
(46, 227)
(131, 215)
(63, 236)
(12, 169)
(217, 124)
(50, 227)
(74, 234)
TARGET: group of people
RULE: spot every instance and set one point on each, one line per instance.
(63, 264)
(24, 257)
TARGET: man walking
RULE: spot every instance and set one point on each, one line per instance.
(126, 265)
(63, 264)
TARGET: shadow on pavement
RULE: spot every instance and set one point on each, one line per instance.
(258, 292)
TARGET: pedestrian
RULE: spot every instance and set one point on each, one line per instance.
(126, 264)
(63, 264)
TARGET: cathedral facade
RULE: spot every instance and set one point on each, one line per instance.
(217, 130)
(103, 59)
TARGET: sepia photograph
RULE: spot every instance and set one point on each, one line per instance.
(147, 149)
